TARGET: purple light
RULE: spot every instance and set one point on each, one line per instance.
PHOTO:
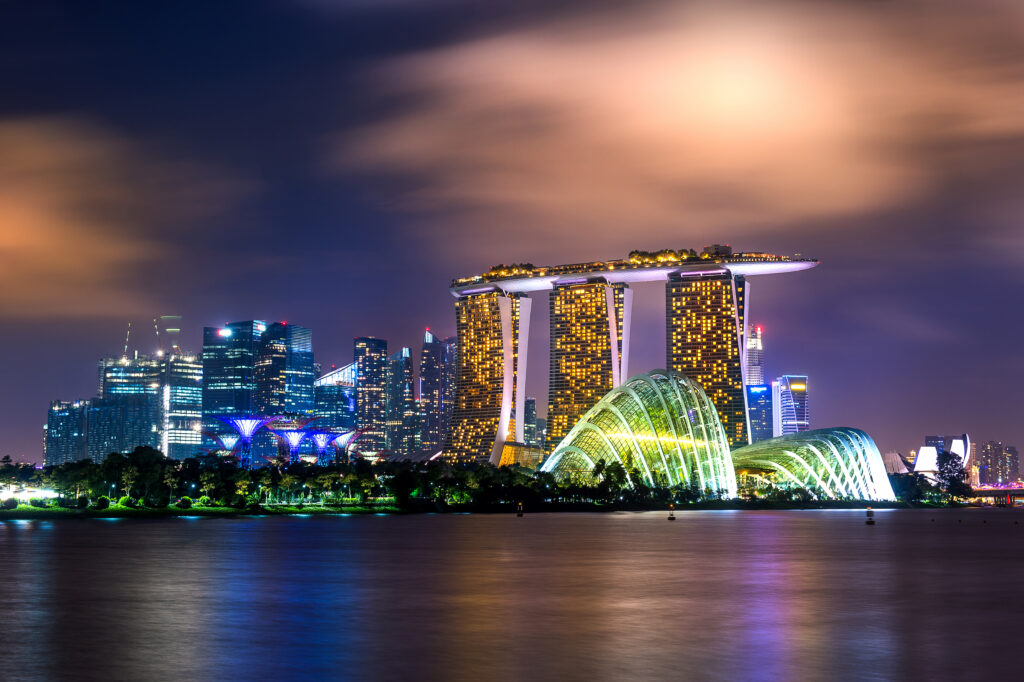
(247, 426)
(322, 439)
(293, 438)
(228, 441)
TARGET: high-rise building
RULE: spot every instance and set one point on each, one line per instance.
(401, 403)
(448, 383)
(283, 372)
(493, 329)
(432, 392)
(371, 360)
(334, 399)
(530, 423)
(759, 409)
(998, 464)
(136, 375)
(789, 405)
(181, 396)
(122, 423)
(229, 372)
(589, 349)
(703, 341)
(754, 375)
(67, 424)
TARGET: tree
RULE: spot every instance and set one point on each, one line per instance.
(951, 475)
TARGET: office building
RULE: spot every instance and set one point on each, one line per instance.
(759, 409)
(67, 424)
(181, 396)
(704, 320)
(284, 372)
(493, 328)
(998, 464)
(436, 390)
(122, 423)
(401, 404)
(588, 349)
(789, 405)
(754, 375)
(229, 372)
(371, 360)
(334, 400)
(530, 424)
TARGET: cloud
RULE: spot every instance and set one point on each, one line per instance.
(86, 213)
(677, 121)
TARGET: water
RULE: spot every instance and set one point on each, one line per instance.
(792, 595)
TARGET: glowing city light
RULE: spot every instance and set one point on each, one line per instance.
(224, 332)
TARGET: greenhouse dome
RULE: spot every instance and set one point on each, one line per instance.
(660, 425)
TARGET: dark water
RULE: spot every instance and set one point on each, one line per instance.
(714, 595)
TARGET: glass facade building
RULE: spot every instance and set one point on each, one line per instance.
(659, 426)
(123, 423)
(790, 413)
(67, 424)
(760, 412)
(284, 372)
(437, 387)
(182, 404)
(229, 372)
(830, 463)
(371, 361)
(493, 328)
(754, 374)
(402, 418)
(588, 349)
(704, 323)
(998, 464)
(530, 435)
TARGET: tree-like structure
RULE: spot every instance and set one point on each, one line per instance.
(246, 426)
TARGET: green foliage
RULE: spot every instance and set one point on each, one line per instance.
(127, 501)
(39, 503)
(184, 503)
(9, 503)
(102, 502)
(951, 475)
(205, 501)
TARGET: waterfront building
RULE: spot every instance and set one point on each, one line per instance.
(754, 375)
(67, 424)
(371, 360)
(181, 396)
(998, 464)
(706, 309)
(588, 348)
(703, 341)
(493, 328)
(530, 423)
(334, 399)
(760, 412)
(401, 404)
(661, 427)
(283, 372)
(789, 405)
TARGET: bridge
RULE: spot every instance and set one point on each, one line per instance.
(999, 495)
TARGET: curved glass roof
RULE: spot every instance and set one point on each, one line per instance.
(832, 463)
(661, 425)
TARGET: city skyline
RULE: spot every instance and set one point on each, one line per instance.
(243, 191)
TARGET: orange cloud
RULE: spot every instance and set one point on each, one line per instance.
(83, 211)
(677, 122)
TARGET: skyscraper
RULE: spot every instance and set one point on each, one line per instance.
(182, 404)
(789, 401)
(448, 383)
(998, 464)
(121, 424)
(589, 350)
(530, 423)
(401, 403)
(334, 399)
(66, 432)
(755, 351)
(493, 327)
(759, 407)
(229, 371)
(371, 360)
(432, 392)
(283, 372)
(704, 318)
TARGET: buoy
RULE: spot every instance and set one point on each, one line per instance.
(519, 510)
(871, 517)
(671, 511)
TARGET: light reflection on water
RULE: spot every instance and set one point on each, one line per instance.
(752, 595)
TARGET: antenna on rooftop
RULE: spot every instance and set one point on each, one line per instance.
(129, 333)
(159, 342)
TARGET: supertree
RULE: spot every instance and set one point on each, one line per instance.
(246, 426)
(343, 441)
(322, 440)
(291, 430)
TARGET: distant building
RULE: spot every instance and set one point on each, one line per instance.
(927, 460)
(894, 463)
(371, 360)
(434, 399)
(334, 400)
(755, 356)
(530, 424)
(998, 464)
(67, 424)
(284, 372)
(759, 407)
(229, 372)
(789, 405)
(122, 423)
(401, 404)
(181, 397)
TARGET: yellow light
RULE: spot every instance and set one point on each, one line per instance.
(798, 387)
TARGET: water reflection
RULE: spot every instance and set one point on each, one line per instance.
(767, 595)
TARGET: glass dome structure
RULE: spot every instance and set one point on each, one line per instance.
(660, 424)
(832, 463)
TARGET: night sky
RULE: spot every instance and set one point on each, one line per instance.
(335, 164)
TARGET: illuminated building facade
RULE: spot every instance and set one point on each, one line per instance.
(283, 371)
(661, 427)
(790, 413)
(437, 390)
(371, 361)
(67, 424)
(588, 349)
(760, 412)
(998, 464)
(530, 435)
(754, 374)
(493, 327)
(401, 404)
(704, 320)
(181, 404)
(334, 399)
(229, 371)
(122, 423)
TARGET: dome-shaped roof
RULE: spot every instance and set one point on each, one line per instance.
(661, 425)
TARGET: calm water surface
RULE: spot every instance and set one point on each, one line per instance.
(715, 595)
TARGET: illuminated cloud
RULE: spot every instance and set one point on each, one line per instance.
(86, 214)
(729, 117)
